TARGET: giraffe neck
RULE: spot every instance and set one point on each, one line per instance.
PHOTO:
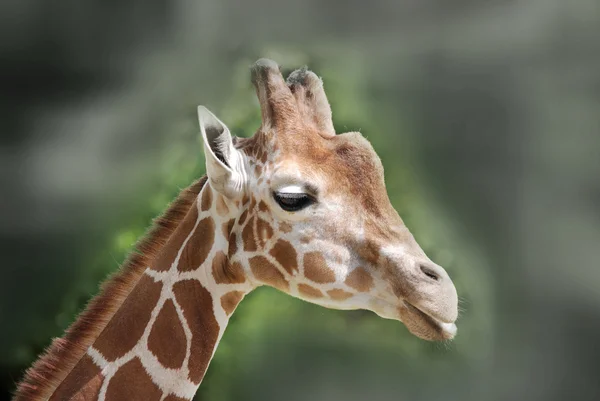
(158, 344)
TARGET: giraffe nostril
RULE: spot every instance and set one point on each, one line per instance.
(429, 272)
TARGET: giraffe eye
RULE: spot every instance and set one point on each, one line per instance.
(292, 202)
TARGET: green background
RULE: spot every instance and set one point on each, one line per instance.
(486, 118)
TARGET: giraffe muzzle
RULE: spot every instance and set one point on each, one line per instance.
(430, 308)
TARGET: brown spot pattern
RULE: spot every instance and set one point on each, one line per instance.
(262, 206)
(230, 300)
(360, 279)
(226, 273)
(268, 273)
(131, 382)
(232, 245)
(167, 339)
(167, 255)
(41, 380)
(285, 227)
(85, 374)
(248, 236)
(316, 269)
(236, 273)
(197, 305)
(309, 292)
(206, 200)
(369, 251)
(123, 332)
(285, 254)
(339, 295)
(219, 268)
(199, 245)
(264, 231)
(90, 391)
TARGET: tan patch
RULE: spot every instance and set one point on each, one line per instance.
(128, 323)
(131, 382)
(262, 206)
(206, 200)
(232, 245)
(199, 245)
(227, 227)
(258, 171)
(268, 273)
(245, 199)
(369, 251)
(168, 253)
(339, 295)
(243, 217)
(82, 383)
(167, 339)
(316, 269)
(360, 172)
(359, 279)
(222, 208)
(285, 254)
(248, 236)
(305, 240)
(285, 227)
(197, 305)
(230, 300)
(264, 232)
(309, 292)
(263, 157)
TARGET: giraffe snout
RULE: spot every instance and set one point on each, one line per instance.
(434, 292)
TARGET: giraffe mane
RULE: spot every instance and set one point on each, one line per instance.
(64, 353)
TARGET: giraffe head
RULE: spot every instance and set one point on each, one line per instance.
(311, 213)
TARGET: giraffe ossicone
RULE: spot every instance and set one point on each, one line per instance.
(295, 207)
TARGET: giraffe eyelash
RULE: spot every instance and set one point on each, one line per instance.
(293, 202)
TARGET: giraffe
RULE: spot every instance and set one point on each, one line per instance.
(296, 207)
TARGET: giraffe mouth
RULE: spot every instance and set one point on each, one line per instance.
(424, 325)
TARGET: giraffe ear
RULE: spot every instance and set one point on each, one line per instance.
(224, 163)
